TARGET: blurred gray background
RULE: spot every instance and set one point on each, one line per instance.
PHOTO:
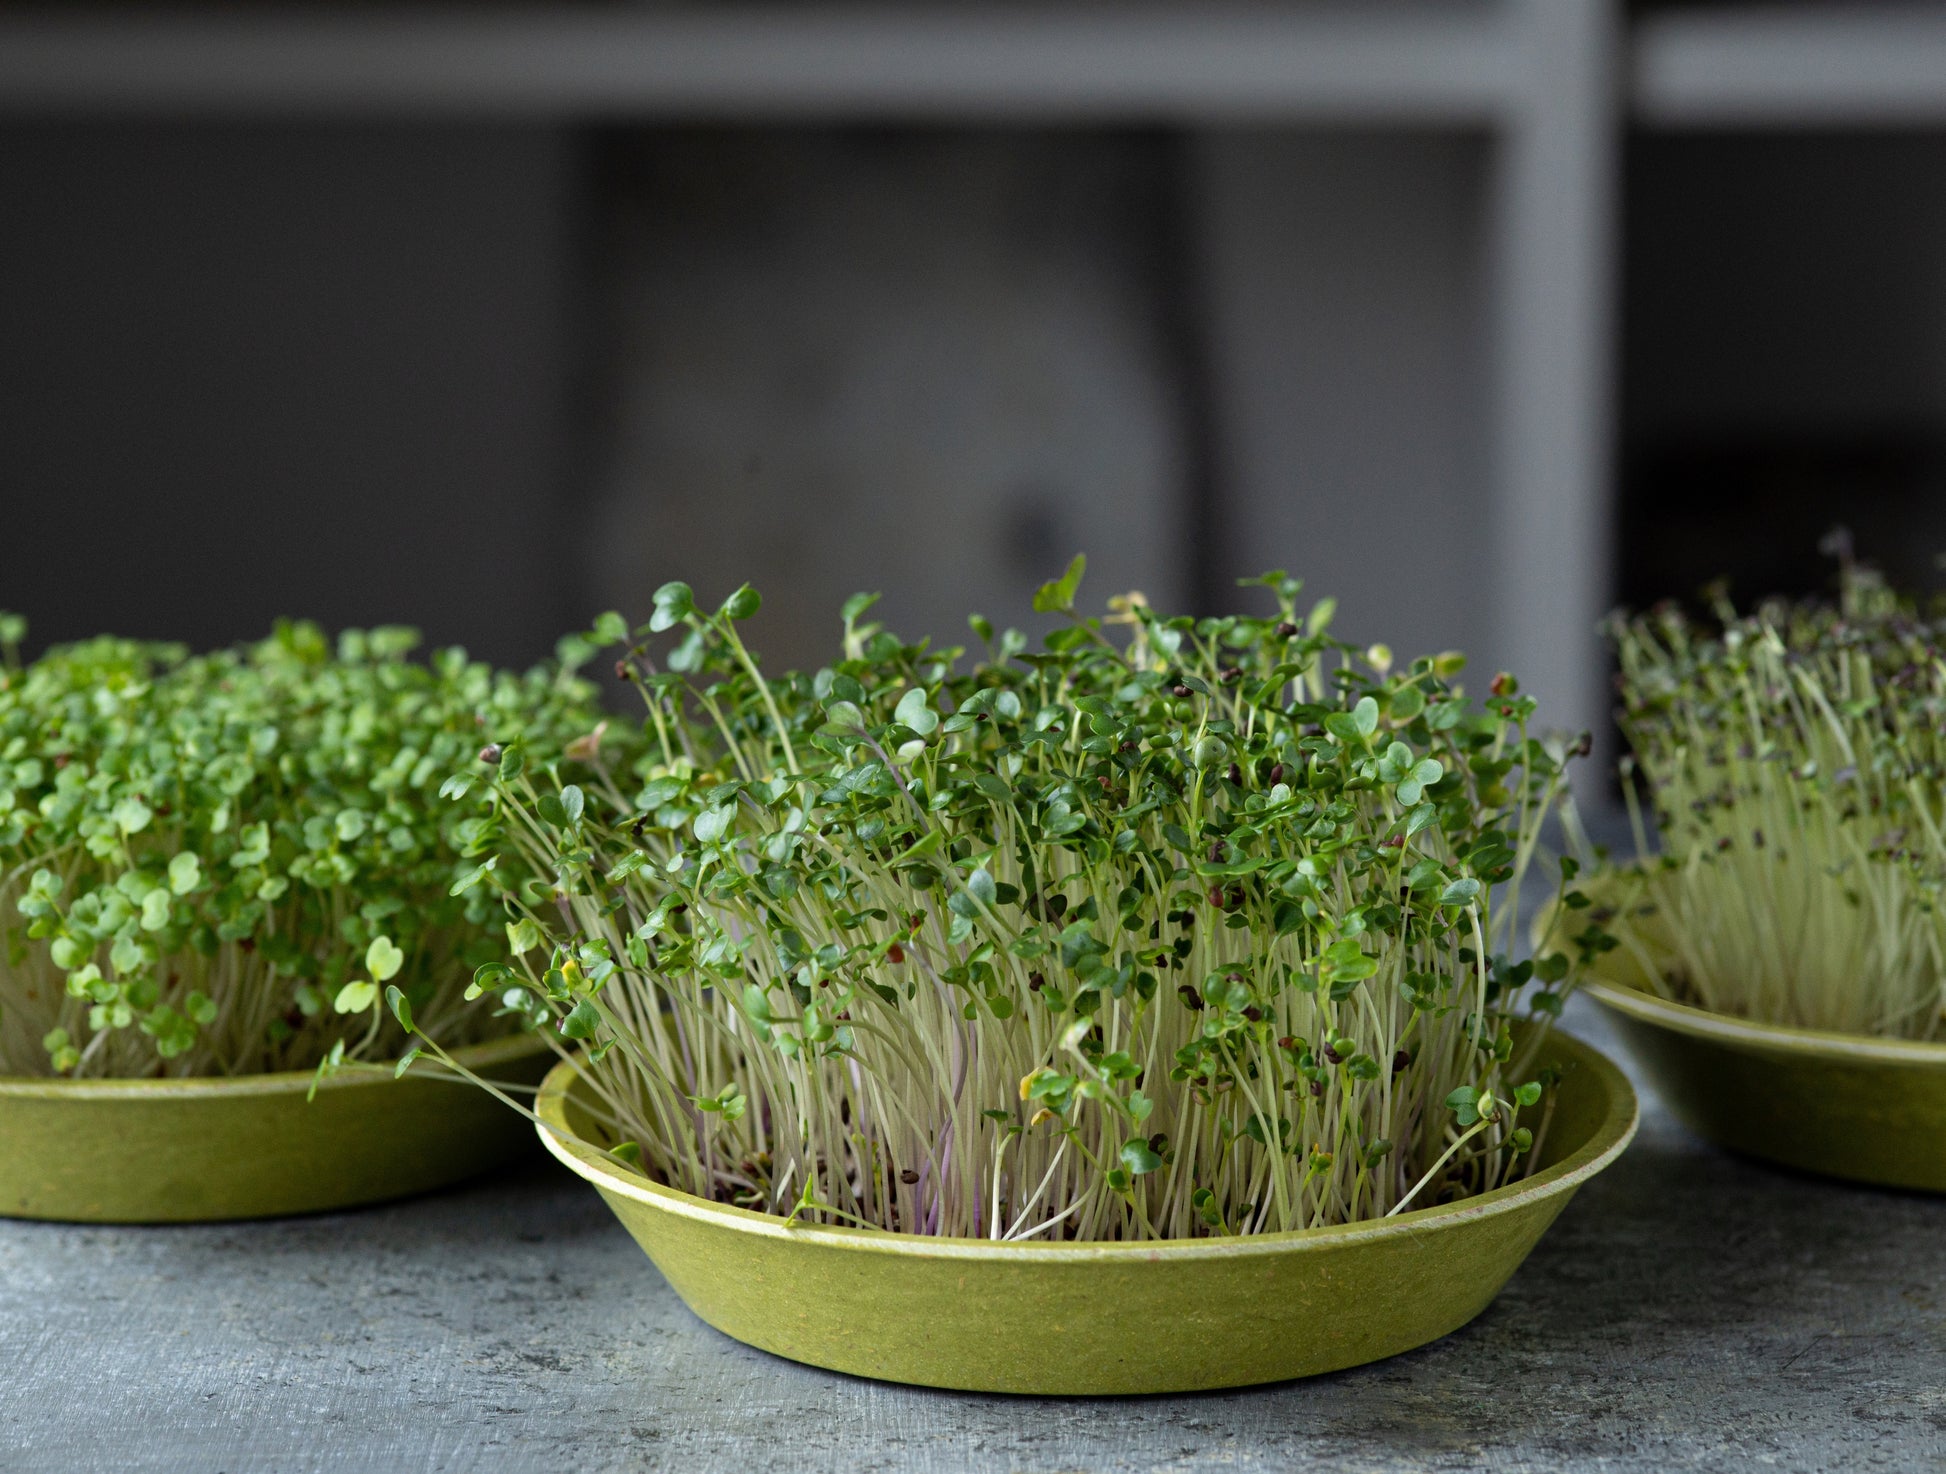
(1480, 315)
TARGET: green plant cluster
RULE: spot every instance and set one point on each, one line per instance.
(1795, 757)
(210, 865)
(1173, 927)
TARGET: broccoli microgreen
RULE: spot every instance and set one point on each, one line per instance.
(1794, 756)
(213, 864)
(1172, 927)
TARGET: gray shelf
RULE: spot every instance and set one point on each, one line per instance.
(1442, 65)
(1796, 66)
(1389, 63)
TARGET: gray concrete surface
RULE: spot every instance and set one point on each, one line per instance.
(1689, 1311)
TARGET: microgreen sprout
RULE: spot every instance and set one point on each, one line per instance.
(1794, 756)
(1171, 928)
(211, 865)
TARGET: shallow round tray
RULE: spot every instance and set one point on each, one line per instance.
(200, 1150)
(1103, 1318)
(1844, 1105)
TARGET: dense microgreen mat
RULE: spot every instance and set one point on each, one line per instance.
(1793, 755)
(209, 865)
(1169, 928)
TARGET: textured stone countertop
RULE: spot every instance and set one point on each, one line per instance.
(1689, 1310)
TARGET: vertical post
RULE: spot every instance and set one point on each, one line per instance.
(1553, 269)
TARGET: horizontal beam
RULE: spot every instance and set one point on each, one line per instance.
(1795, 66)
(1419, 64)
